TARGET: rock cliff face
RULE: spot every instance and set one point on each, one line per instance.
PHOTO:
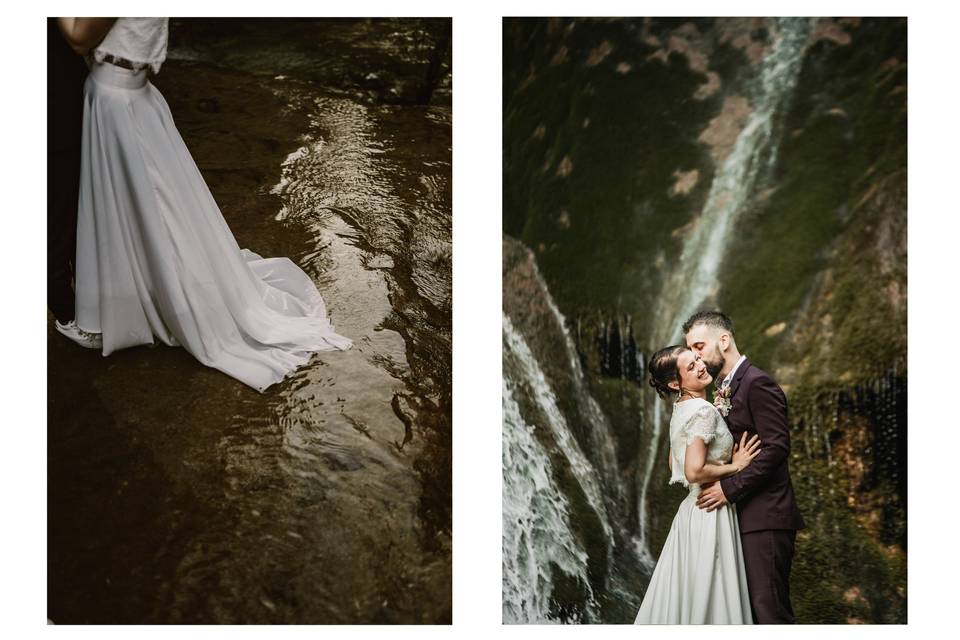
(762, 164)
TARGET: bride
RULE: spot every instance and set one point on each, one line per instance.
(700, 577)
(155, 258)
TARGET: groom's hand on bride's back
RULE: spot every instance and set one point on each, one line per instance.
(711, 496)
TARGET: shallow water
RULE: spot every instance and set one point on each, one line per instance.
(177, 494)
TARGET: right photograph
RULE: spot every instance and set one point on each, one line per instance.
(704, 320)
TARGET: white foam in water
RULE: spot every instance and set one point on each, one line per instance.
(536, 385)
(536, 523)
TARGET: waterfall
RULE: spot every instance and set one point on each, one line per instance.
(538, 389)
(697, 272)
(536, 523)
(601, 433)
(545, 551)
(538, 539)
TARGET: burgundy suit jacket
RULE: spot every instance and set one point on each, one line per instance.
(762, 492)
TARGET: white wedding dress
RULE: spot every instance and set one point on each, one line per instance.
(155, 258)
(700, 577)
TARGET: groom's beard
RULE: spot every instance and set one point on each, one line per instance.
(714, 366)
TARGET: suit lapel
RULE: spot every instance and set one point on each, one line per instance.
(741, 371)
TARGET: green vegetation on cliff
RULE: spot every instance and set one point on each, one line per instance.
(593, 133)
(845, 132)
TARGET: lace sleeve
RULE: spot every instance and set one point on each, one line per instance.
(702, 424)
(677, 453)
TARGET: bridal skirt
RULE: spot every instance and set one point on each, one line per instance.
(156, 260)
(700, 576)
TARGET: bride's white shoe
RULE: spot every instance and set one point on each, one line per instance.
(78, 335)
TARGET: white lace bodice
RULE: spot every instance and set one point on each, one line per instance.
(697, 418)
(142, 41)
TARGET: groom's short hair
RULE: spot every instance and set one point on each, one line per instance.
(712, 319)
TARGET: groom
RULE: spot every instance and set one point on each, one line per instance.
(66, 72)
(768, 513)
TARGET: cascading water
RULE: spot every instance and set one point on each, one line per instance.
(697, 272)
(536, 386)
(553, 423)
(601, 439)
(537, 534)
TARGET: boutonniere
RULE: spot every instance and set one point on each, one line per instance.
(721, 400)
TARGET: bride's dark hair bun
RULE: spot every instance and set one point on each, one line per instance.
(663, 369)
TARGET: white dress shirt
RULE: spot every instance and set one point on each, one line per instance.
(726, 381)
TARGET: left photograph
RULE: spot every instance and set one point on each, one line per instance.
(249, 320)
